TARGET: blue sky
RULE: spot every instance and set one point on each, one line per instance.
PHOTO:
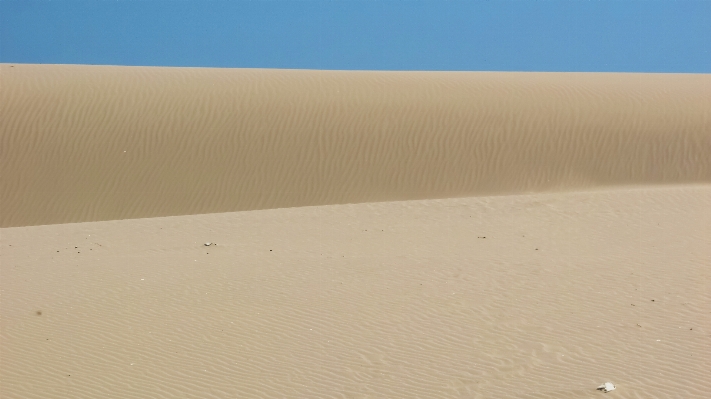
(522, 35)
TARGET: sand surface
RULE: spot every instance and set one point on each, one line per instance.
(89, 143)
(380, 300)
(378, 234)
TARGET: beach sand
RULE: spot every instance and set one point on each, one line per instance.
(374, 234)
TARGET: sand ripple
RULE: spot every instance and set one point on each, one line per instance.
(397, 300)
(88, 143)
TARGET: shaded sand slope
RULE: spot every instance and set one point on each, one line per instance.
(86, 143)
(382, 300)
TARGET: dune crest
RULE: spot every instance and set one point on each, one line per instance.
(91, 143)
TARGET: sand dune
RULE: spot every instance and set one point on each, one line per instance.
(440, 235)
(90, 143)
(380, 300)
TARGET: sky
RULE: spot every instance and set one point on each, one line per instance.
(504, 35)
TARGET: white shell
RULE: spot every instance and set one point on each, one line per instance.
(607, 387)
(207, 244)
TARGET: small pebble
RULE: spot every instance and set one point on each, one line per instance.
(607, 387)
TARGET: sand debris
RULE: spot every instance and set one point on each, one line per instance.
(607, 387)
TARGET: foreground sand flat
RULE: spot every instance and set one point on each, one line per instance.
(526, 296)
(89, 143)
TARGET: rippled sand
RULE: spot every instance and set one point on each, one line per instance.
(538, 235)
(89, 143)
